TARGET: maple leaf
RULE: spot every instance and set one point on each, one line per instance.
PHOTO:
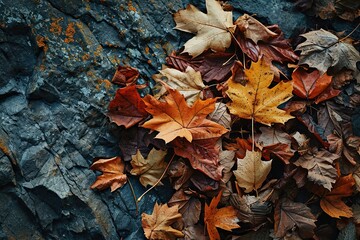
(289, 214)
(212, 66)
(320, 167)
(253, 29)
(203, 155)
(309, 85)
(149, 169)
(224, 218)
(189, 207)
(212, 29)
(125, 75)
(188, 83)
(157, 225)
(332, 202)
(323, 50)
(174, 118)
(112, 173)
(255, 100)
(127, 108)
(251, 171)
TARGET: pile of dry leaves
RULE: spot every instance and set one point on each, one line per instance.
(251, 152)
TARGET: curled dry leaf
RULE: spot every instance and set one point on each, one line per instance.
(251, 171)
(175, 118)
(255, 100)
(289, 214)
(125, 75)
(112, 173)
(127, 108)
(158, 224)
(332, 202)
(149, 169)
(224, 218)
(211, 29)
(188, 83)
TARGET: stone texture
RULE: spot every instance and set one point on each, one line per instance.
(56, 61)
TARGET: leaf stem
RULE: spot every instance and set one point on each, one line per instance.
(134, 195)
(342, 39)
(158, 181)
(253, 150)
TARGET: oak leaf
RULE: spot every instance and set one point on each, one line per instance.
(309, 85)
(255, 100)
(127, 108)
(251, 171)
(112, 173)
(149, 169)
(188, 83)
(320, 166)
(289, 214)
(332, 202)
(174, 118)
(224, 218)
(323, 50)
(158, 224)
(211, 29)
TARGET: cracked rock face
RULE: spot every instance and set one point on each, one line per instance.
(56, 61)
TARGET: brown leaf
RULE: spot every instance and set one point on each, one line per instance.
(253, 29)
(256, 100)
(240, 147)
(149, 169)
(174, 118)
(220, 115)
(327, 94)
(112, 173)
(189, 207)
(251, 171)
(127, 108)
(195, 232)
(203, 155)
(158, 224)
(125, 76)
(289, 214)
(309, 84)
(179, 172)
(320, 166)
(211, 29)
(332, 202)
(281, 150)
(270, 136)
(224, 218)
(227, 161)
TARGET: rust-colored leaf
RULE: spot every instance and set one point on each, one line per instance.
(158, 224)
(224, 218)
(125, 75)
(174, 118)
(332, 202)
(112, 173)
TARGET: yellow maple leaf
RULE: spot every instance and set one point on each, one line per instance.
(255, 100)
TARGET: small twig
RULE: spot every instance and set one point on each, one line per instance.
(342, 39)
(158, 181)
(134, 195)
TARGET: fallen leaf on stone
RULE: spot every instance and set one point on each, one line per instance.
(149, 169)
(125, 75)
(211, 29)
(332, 202)
(175, 118)
(158, 224)
(224, 218)
(323, 50)
(289, 214)
(251, 171)
(320, 166)
(255, 100)
(112, 173)
(188, 83)
(127, 108)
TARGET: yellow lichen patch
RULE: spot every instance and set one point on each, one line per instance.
(85, 57)
(131, 7)
(149, 61)
(98, 51)
(103, 83)
(69, 33)
(41, 42)
(55, 26)
(147, 50)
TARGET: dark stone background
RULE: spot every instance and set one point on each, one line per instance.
(57, 58)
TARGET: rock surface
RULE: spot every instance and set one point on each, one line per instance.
(56, 61)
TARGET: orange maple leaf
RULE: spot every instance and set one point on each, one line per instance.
(332, 202)
(174, 118)
(113, 173)
(224, 218)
